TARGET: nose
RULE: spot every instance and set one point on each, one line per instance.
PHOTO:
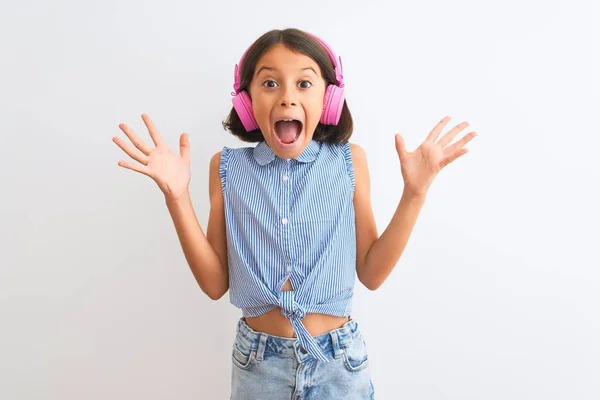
(288, 98)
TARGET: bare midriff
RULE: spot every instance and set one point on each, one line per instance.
(275, 323)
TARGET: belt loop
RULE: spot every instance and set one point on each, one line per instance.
(337, 353)
(262, 343)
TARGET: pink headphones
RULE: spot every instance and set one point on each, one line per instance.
(332, 102)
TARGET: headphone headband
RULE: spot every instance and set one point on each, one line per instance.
(237, 78)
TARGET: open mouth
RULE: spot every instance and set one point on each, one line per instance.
(288, 130)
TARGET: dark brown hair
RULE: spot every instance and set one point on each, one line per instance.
(299, 41)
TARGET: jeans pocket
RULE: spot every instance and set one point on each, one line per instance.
(355, 355)
(242, 357)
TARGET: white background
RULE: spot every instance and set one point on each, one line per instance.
(497, 293)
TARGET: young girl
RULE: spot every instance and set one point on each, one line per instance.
(291, 225)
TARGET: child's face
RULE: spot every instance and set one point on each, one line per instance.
(287, 85)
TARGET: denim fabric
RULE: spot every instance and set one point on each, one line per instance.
(267, 367)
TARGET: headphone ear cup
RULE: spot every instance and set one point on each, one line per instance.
(243, 106)
(333, 103)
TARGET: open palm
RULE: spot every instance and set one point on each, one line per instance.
(421, 166)
(170, 171)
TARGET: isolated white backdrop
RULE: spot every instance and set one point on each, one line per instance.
(496, 295)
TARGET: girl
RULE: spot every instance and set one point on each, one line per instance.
(291, 225)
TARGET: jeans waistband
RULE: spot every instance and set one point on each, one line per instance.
(330, 342)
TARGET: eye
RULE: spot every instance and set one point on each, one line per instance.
(305, 84)
(270, 84)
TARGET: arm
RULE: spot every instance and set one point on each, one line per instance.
(377, 256)
(206, 255)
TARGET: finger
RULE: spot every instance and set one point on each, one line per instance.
(133, 153)
(184, 146)
(448, 137)
(453, 157)
(435, 132)
(142, 169)
(452, 149)
(137, 142)
(400, 146)
(152, 130)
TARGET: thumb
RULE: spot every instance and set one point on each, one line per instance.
(184, 146)
(400, 146)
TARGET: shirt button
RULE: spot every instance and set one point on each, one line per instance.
(289, 268)
(284, 221)
(285, 178)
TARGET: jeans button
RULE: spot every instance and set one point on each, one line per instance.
(303, 350)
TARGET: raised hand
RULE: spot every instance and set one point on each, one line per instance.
(170, 171)
(420, 167)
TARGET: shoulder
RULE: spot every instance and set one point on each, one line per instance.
(357, 151)
(360, 166)
(218, 169)
(359, 156)
(229, 159)
(351, 150)
(221, 158)
(215, 169)
(215, 160)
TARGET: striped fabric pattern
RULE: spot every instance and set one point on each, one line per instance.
(290, 219)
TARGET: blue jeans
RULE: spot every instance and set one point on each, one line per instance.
(267, 367)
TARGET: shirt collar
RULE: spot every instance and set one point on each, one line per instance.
(264, 155)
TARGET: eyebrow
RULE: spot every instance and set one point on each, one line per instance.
(267, 68)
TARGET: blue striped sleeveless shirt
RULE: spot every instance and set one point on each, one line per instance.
(290, 219)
